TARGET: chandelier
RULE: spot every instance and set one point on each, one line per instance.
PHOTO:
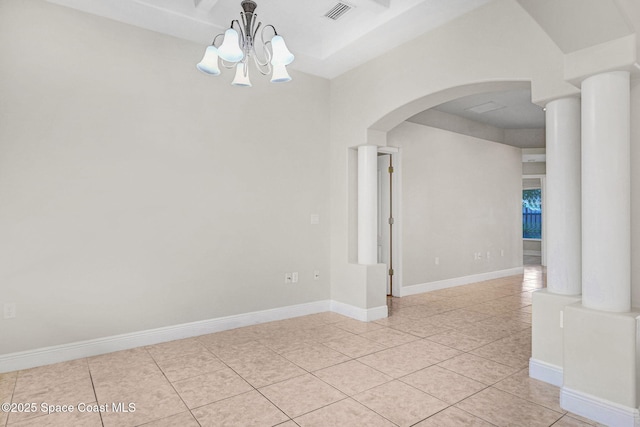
(239, 44)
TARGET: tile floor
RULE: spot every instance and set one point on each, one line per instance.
(454, 357)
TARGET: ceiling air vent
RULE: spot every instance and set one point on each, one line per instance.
(337, 11)
(485, 108)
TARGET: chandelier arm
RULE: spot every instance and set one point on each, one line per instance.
(267, 60)
(267, 45)
(227, 65)
(244, 21)
(265, 68)
(265, 51)
(241, 32)
(275, 33)
(213, 43)
(254, 32)
(235, 21)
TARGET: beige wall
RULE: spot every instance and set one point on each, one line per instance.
(136, 192)
(460, 195)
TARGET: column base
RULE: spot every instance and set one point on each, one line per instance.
(545, 372)
(597, 409)
(547, 334)
(600, 365)
(363, 294)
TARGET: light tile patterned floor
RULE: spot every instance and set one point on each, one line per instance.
(454, 357)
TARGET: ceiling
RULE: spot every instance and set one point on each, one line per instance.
(578, 24)
(323, 47)
(511, 117)
(506, 110)
(328, 48)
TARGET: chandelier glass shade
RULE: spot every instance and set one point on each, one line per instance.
(243, 40)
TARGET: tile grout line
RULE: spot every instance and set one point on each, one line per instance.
(473, 415)
(95, 394)
(209, 403)
(172, 386)
(13, 392)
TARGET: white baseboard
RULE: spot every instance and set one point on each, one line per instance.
(364, 315)
(546, 372)
(458, 281)
(599, 410)
(76, 350)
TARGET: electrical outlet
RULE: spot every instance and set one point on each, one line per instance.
(316, 275)
(294, 277)
(288, 278)
(9, 310)
(437, 260)
(488, 255)
(501, 252)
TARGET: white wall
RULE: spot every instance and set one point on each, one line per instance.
(532, 247)
(460, 195)
(534, 168)
(635, 193)
(525, 138)
(450, 122)
(136, 192)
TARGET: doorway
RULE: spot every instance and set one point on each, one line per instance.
(388, 215)
(533, 220)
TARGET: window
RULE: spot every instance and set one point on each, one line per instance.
(531, 214)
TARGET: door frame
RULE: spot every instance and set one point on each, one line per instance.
(396, 212)
(543, 192)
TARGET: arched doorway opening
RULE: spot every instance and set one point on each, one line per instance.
(442, 266)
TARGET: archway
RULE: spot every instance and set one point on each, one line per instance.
(377, 135)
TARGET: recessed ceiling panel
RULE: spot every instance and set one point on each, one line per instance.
(506, 110)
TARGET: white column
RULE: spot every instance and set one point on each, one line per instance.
(606, 186)
(563, 231)
(368, 204)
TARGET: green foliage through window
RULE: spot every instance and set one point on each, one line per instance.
(532, 214)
